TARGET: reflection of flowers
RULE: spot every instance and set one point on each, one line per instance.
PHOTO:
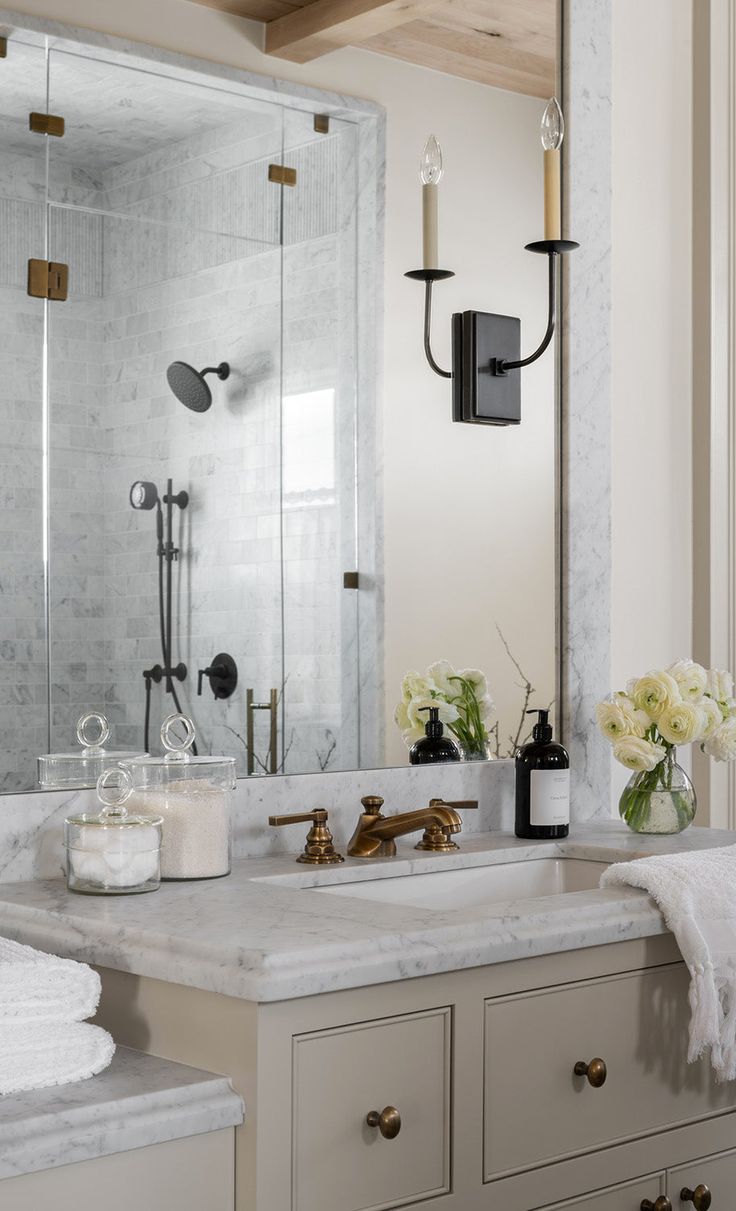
(461, 697)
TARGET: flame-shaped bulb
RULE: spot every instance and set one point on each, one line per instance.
(552, 126)
(430, 165)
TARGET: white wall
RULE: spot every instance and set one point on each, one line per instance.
(468, 510)
(652, 363)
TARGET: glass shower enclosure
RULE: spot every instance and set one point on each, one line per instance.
(183, 222)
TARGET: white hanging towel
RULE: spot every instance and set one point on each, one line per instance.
(696, 893)
(36, 987)
(57, 1053)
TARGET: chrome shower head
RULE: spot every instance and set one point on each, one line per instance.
(189, 386)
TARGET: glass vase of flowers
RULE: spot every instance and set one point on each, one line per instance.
(684, 704)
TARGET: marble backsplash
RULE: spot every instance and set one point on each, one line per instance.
(32, 824)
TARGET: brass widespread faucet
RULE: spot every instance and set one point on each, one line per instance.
(375, 833)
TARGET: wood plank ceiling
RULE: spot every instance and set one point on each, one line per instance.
(509, 44)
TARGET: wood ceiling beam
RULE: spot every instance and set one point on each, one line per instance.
(324, 25)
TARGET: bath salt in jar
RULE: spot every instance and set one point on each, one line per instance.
(193, 795)
(112, 853)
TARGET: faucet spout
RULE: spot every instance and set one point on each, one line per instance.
(375, 834)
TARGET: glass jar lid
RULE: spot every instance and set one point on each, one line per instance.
(82, 767)
(177, 737)
(114, 788)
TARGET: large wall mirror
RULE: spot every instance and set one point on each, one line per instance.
(200, 490)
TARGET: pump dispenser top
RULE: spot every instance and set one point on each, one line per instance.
(542, 731)
(434, 745)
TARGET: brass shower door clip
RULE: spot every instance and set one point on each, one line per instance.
(48, 280)
(46, 124)
(279, 174)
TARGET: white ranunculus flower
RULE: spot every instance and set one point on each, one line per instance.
(638, 720)
(720, 684)
(477, 679)
(637, 754)
(655, 693)
(486, 706)
(712, 717)
(691, 677)
(415, 685)
(682, 723)
(440, 673)
(722, 744)
(614, 721)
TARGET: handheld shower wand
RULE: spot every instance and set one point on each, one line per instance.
(144, 495)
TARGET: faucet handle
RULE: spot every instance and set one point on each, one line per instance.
(372, 805)
(318, 848)
(458, 804)
(436, 839)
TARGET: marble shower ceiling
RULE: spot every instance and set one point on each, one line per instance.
(509, 44)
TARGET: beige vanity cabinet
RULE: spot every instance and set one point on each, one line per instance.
(479, 1067)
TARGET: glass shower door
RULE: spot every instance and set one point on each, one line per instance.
(321, 700)
(23, 431)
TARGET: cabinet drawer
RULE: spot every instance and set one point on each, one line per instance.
(339, 1162)
(536, 1109)
(718, 1173)
(626, 1197)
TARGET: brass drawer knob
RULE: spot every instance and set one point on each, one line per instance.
(596, 1072)
(662, 1204)
(388, 1121)
(700, 1197)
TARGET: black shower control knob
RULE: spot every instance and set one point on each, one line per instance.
(222, 674)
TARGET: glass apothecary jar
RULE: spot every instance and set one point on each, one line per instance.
(113, 853)
(194, 797)
(82, 767)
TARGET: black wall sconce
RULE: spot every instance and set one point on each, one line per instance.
(486, 348)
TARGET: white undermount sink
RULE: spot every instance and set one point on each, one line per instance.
(468, 887)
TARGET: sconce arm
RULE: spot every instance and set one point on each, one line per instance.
(552, 249)
(429, 277)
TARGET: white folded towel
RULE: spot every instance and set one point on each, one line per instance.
(35, 1057)
(696, 893)
(36, 987)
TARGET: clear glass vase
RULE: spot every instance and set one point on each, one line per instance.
(661, 800)
(479, 751)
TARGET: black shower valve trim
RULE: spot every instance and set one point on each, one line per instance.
(222, 674)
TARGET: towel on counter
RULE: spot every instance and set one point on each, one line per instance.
(37, 987)
(696, 893)
(36, 1057)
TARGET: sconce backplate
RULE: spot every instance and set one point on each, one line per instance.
(480, 397)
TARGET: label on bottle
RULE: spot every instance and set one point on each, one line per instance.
(549, 797)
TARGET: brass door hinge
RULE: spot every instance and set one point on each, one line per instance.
(279, 174)
(322, 124)
(3, 47)
(351, 580)
(48, 280)
(46, 124)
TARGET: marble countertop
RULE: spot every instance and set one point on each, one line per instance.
(137, 1101)
(263, 937)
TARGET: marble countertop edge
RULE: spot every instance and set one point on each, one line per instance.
(268, 934)
(117, 1111)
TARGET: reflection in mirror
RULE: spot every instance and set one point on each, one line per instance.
(194, 517)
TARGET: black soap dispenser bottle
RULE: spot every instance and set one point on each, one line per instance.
(542, 785)
(434, 746)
